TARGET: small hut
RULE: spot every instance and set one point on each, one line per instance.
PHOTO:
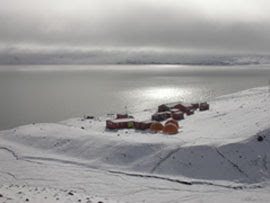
(195, 106)
(163, 108)
(178, 115)
(204, 106)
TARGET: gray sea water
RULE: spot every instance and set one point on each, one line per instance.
(56, 92)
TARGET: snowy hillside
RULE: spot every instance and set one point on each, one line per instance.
(218, 152)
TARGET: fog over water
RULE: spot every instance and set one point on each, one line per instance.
(99, 30)
(53, 93)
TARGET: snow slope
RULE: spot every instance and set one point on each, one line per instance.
(216, 152)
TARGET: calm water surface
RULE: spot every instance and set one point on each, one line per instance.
(53, 93)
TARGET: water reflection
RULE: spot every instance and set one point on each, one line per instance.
(162, 93)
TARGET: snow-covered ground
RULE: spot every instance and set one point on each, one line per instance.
(221, 155)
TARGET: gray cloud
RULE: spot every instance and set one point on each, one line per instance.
(211, 26)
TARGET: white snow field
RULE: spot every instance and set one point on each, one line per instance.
(220, 155)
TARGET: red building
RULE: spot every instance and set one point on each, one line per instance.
(120, 123)
(121, 116)
(142, 125)
(195, 105)
(204, 106)
(190, 112)
(163, 108)
(178, 115)
(161, 116)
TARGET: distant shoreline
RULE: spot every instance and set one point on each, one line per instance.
(140, 63)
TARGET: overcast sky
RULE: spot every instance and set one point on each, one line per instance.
(199, 26)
